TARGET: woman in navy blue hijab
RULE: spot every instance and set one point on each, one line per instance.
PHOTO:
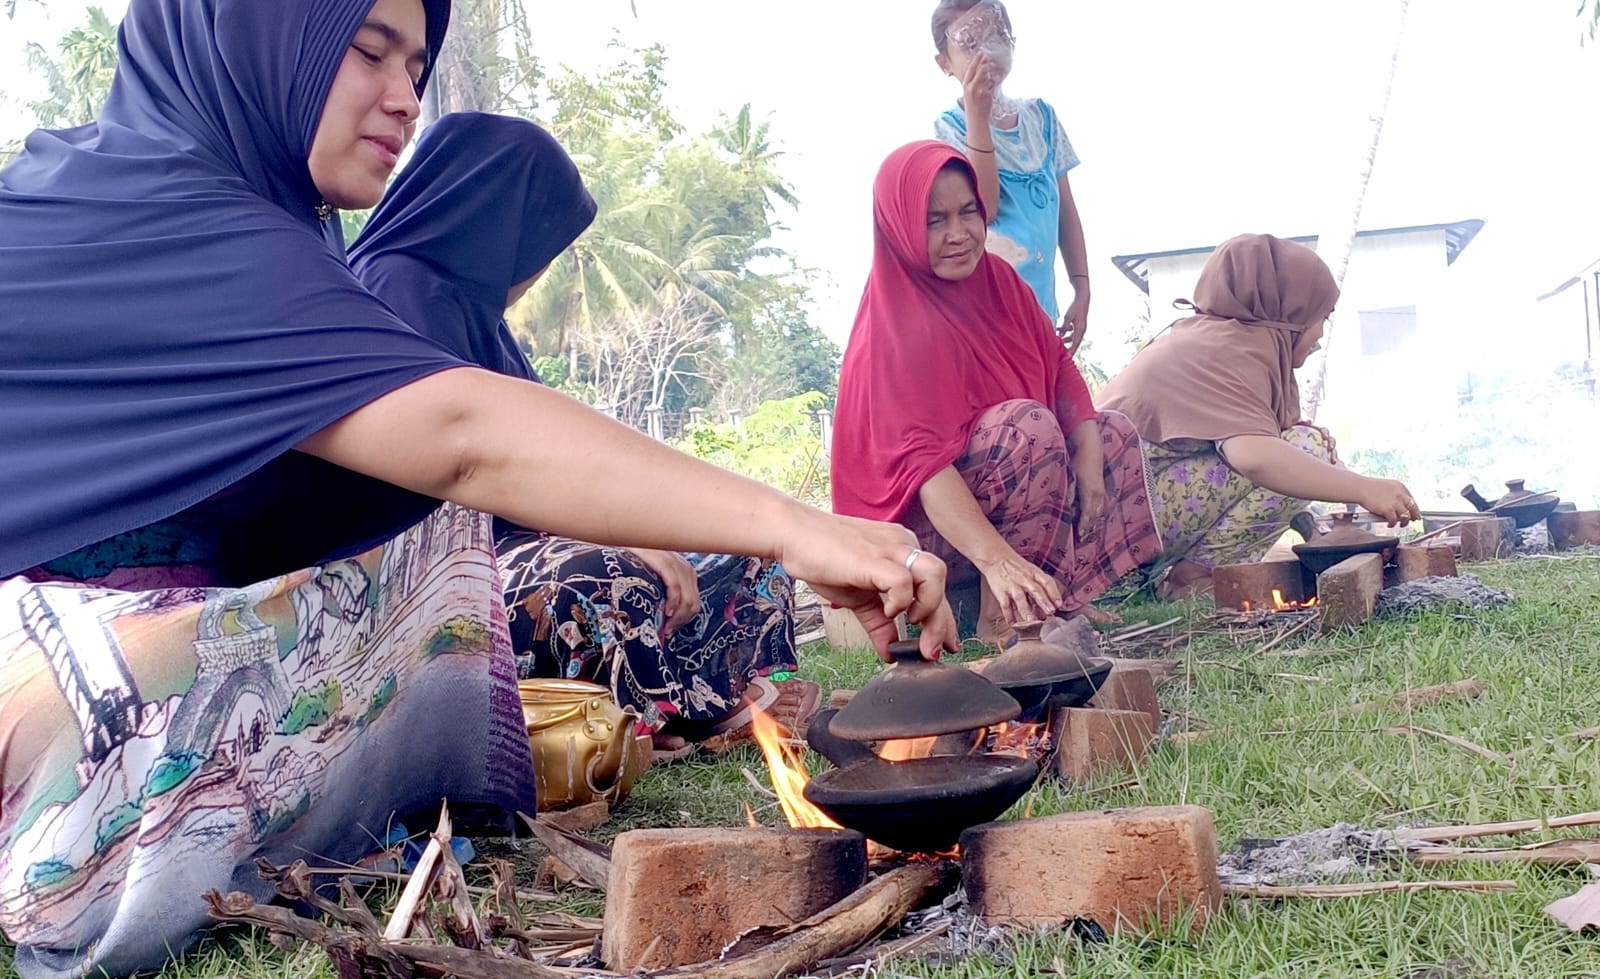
(192, 380)
(683, 639)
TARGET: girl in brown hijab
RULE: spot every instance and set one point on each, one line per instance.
(1215, 399)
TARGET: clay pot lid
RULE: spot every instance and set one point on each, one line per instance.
(915, 698)
(1033, 660)
(1344, 540)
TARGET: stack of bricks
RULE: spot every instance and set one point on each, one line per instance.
(1114, 732)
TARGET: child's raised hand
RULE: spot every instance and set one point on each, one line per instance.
(978, 86)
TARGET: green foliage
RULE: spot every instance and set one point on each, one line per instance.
(779, 443)
(80, 80)
(660, 302)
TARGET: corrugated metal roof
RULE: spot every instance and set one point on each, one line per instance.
(1457, 235)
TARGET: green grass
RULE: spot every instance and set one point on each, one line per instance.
(1285, 760)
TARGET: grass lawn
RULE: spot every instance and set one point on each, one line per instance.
(1539, 659)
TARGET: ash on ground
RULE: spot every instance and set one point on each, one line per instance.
(1466, 590)
(1339, 852)
(1531, 540)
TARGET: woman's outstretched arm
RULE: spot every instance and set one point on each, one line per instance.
(1282, 468)
(543, 460)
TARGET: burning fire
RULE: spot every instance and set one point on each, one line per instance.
(788, 772)
(905, 749)
(1279, 605)
(1018, 739)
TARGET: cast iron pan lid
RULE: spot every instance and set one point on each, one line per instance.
(915, 698)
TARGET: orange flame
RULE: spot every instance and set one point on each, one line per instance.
(1018, 739)
(788, 773)
(1282, 606)
(905, 749)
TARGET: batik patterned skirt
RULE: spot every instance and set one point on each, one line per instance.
(586, 612)
(154, 744)
(1018, 467)
(1211, 515)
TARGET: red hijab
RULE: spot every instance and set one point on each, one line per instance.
(927, 356)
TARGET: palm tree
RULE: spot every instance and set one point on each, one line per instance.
(79, 82)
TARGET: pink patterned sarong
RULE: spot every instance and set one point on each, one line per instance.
(1016, 465)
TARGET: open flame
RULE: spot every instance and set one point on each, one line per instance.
(786, 769)
(1279, 605)
(1018, 739)
(905, 749)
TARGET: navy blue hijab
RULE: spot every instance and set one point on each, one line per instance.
(484, 203)
(174, 316)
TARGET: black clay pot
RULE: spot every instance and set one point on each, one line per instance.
(921, 806)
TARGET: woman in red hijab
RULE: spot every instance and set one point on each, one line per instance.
(962, 416)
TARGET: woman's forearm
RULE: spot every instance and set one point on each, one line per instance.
(1280, 467)
(537, 457)
(1083, 445)
(955, 514)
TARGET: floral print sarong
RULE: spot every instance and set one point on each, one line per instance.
(1210, 514)
(586, 612)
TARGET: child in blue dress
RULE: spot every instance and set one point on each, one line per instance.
(1021, 155)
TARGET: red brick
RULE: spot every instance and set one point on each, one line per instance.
(1573, 529)
(1129, 688)
(1090, 740)
(1426, 560)
(696, 890)
(1126, 868)
(1234, 584)
(1481, 539)
(1348, 591)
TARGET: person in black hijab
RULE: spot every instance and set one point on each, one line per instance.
(484, 205)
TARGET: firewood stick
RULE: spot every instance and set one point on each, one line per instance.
(523, 893)
(589, 860)
(1282, 636)
(1435, 834)
(1435, 533)
(1554, 853)
(882, 903)
(463, 925)
(421, 879)
(1139, 630)
(240, 908)
(1329, 891)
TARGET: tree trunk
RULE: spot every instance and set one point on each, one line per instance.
(1335, 247)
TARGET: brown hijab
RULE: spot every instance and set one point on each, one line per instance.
(1229, 369)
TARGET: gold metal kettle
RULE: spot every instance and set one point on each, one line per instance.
(584, 748)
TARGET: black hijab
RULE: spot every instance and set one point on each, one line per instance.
(174, 315)
(485, 202)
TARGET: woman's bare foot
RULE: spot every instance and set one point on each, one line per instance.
(1184, 581)
(990, 628)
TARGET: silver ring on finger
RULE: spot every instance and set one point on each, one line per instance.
(911, 558)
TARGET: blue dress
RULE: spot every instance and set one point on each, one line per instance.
(1031, 158)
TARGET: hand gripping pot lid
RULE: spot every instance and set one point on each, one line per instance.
(916, 698)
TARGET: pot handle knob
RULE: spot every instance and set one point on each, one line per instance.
(906, 651)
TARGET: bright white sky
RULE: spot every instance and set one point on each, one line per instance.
(1195, 119)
